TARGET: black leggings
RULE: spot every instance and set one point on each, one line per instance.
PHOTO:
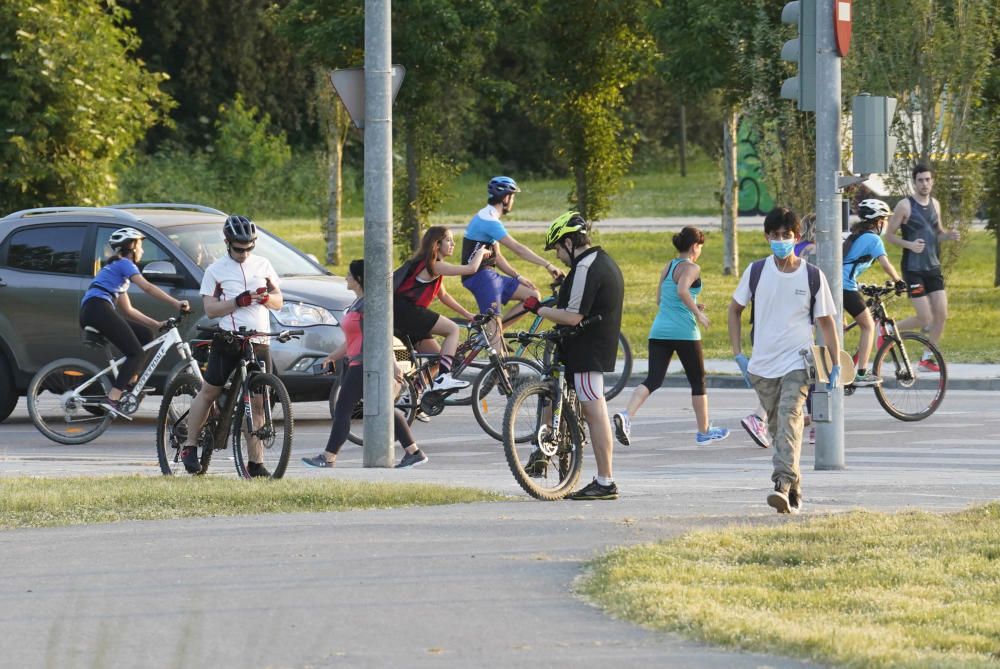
(127, 336)
(690, 355)
(350, 392)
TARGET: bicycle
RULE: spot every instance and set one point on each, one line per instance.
(904, 389)
(544, 433)
(623, 358)
(65, 396)
(492, 378)
(254, 408)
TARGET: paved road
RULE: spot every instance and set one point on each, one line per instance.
(481, 584)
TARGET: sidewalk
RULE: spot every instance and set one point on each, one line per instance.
(726, 374)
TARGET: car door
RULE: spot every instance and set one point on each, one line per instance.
(42, 280)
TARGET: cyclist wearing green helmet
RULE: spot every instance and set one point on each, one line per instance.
(593, 287)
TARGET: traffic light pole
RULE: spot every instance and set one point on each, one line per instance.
(829, 435)
(378, 356)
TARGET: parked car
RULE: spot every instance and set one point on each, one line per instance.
(49, 256)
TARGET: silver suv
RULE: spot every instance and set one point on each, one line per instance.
(49, 256)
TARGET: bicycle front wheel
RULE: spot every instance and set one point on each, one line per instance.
(911, 392)
(547, 466)
(171, 425)
(623, 366)
(265, 436)
(408, 401)
(62, 407)
(494, 386)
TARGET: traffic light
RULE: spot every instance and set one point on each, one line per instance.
(801, 50)
(874, 145)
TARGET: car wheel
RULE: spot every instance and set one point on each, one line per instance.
(8, 391)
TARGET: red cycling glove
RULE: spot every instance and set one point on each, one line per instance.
(244, 299)
(265, 296)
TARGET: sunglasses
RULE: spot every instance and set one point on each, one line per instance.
(242, 249)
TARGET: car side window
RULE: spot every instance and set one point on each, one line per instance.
(54, 249)
(102, 252)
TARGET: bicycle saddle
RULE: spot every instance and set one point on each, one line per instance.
(93, 337)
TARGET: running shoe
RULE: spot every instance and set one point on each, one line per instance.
(713, 435)
(189, 456)
(757, 429)
(929, 365)
(779, 498)
(867, 380)
(623, 428)
(448, 382)
(413, 459)
(318, 461)
(595, 490)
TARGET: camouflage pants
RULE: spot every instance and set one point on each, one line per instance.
(783, 399)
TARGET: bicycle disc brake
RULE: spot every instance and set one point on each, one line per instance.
(546, 443)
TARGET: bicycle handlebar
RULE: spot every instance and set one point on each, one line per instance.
(525, 337)
(243, 333)
(875, 290)
(172, 322)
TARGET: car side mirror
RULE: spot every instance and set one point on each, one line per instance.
(162, 271)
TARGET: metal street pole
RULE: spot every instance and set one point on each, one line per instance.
(829, 436)
(378, 449)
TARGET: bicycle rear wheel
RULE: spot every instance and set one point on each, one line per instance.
(913, 395)
(268, 441)
(492, 392)
(408, 401)
(623, 366)
(547, 466)
(171, 426)
(59, 413)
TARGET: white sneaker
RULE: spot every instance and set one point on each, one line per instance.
(448, 382)
(623, 428)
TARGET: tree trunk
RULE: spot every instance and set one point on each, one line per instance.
(684, 139)
(730, 202)
(996, 269)
(411, 215)
(336, 124)
(581, 191)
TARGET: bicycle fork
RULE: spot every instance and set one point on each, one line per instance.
(900, 350)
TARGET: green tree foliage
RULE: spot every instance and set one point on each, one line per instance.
(215, 50)
(442, 44)
(73, 99)
(586, 53)
(934, 57)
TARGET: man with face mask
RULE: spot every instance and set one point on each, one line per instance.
(238, 289)
(783, 315)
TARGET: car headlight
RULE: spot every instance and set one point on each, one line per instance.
(298, 314)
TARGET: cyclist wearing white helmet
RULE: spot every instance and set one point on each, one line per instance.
(861, 248)
(238, 289)
(490, 287)
(106, 307)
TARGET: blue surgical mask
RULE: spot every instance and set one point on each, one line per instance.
(782, 248)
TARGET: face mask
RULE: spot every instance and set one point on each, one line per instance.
(782, 248)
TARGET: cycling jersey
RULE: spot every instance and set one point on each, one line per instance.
(226, 279)
(111, 281)
(594, 286)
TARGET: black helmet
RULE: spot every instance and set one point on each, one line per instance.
(239, 229)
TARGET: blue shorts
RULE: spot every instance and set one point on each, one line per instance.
(491, 289)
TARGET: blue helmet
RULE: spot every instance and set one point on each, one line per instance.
(499, 187)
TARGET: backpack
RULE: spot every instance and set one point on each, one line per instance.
(814, 283)
(849, 242)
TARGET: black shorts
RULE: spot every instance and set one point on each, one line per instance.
(854, 303)
(925, 282)
(221, 365)
(411, 320)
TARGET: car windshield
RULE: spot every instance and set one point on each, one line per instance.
(204, 244)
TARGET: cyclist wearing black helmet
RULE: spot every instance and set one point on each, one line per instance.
(490, 287)
(238, 289)
(593, 287)
(106, 307)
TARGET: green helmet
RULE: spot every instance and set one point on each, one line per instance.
(566, 224)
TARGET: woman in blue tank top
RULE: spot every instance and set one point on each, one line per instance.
(675, 329)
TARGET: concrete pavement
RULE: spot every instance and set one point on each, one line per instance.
(480, 584)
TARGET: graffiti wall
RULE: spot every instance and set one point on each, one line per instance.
(754, 198)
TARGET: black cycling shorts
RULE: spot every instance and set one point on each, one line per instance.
(221, 365)
(854, 303)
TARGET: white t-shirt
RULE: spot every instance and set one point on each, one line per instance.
(781, 317)
(225, 279)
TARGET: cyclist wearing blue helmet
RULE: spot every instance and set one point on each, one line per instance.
(497, 282)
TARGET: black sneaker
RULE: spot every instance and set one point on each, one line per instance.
(538, 464)
(257, 470)
(595, 490)
(413, 459)
(779, 498)
(189, 456)
(318, 461)
(794, 501)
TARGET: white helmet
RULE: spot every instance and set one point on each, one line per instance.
(122, 236)
(872, 209)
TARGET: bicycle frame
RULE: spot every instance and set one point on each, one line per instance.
(886, 327)
(168, 340)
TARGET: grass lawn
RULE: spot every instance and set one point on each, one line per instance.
(38, 502)
(974, 305)
(853, 590)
